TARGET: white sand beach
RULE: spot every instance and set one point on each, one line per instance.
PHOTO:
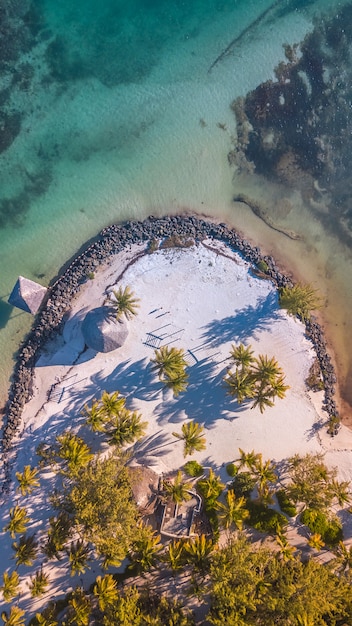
(203, 299)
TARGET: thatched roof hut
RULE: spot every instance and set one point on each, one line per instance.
(102, 332)
(27, 295)
(144, 484)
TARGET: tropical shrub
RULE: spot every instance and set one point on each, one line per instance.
(264, 519)
(193, 468)
(330, 529)
(286, 505)
(262, 266)
(299, 300)
(231, 469)
(243, 484)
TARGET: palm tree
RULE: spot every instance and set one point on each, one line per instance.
(125, 303)
(233, 511)
(128, 427)
(210, 487)
(170, 365)
(300, 300)
(265, 474)
(192, 436)
(39, 583)
(145, 550)
(79, 608)
(78, 556)
(169, 361)
(110, 404)
(27, 480)
(25, 550)
(174, 554)
(343, 561)
(94, 417)
(240, 385)
(278, 388)
(58, 533)
(14, 618)
(10, 587)
(315, 541)
(285, 550)
(248, 459)
(177, 383)
(262, 400)
(340, 490)
(18, 521)
(266, 369)
(74, 451)
(198, 551)
(46, 618)
(177, 489)
(242, 356)
(105, 589)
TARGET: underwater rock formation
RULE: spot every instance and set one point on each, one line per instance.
(297, 129)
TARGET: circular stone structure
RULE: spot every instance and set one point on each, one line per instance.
(102, 332)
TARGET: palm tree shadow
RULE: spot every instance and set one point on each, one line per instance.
(204, 401)
(134, 380)
(148, 450)
(243, 324)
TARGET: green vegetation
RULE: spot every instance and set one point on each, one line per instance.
(262, 266)
(16, 617)
(192, 437)
(231, 469)
(243, 584)
(256, 378)
(100, 500)
(286, 505)
(26, 549)
(233, 511)
(28, 480)
(125, 303)
(153, 246)
(18, 521)
(253, 586)
(109, 415)
(176, 489)
(264, 519)
(193, 468)
(314, 380)
(328, 527)
(10, 586)
(243, 484)
(39, 583)
(78, 555)
(313, 484)
(145, 551)
(177, 241)
(299, 300)
(170, 365)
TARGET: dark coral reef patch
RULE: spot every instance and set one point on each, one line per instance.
(297, 129)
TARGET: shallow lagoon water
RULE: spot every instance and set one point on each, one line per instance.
(122, 118)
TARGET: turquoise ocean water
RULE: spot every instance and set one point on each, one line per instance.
(110, 111)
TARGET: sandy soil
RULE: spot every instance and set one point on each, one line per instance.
(201, 299)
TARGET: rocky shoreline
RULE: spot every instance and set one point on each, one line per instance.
(111, 241)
